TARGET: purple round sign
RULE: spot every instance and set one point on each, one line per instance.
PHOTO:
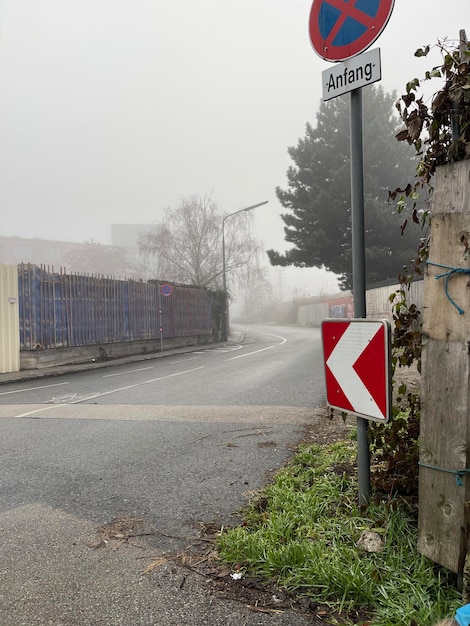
(166, 289)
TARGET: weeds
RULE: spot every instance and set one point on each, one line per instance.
(301, 533)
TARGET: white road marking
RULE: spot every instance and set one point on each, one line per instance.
(225, 348)
(194, 358)
(107, 393)
(141, 369)
(46, 408)
(283, 339)
(6, 393)
(144, 382)
(242, 356)
(71, 398)
(68, 397)
(257, 417)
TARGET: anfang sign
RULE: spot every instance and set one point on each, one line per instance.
(354, 73)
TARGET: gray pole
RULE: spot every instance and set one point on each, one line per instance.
(160, 315)
(224, 275)
(359, 272)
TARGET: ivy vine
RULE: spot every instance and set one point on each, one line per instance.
(440, 134)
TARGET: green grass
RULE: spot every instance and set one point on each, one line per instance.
(301, 533)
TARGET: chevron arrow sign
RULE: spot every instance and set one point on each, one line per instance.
(357, 360)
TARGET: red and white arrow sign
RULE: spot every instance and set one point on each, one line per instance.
(357, 367)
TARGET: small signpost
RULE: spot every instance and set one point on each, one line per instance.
(341, 30)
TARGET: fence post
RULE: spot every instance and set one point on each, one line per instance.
(445, 417)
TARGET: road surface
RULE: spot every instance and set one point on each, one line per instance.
(172, 443)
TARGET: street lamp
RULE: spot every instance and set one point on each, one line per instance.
(224, 272)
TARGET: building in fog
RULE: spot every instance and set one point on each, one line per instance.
(127, 236)
(15, 250)
(121, 258)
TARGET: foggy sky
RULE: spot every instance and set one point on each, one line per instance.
(113, 110)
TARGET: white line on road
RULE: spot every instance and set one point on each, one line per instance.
(242, 356)
(6, 393)
(144, 382)
(46, 408)
(262, 416)
(194, 358)
(283, 339)
(225, 348)
(107, 393)
(141, 369)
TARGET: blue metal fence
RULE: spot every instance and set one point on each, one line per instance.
(65, 310)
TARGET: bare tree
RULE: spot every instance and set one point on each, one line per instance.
(149, 263)
(255, 294)
(188, 244)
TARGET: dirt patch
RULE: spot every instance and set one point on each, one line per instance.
(119, 531)
(200, 561)
(329, 428)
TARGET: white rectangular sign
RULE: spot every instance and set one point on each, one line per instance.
(363, 69)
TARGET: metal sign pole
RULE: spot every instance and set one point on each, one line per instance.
(160, 316)
(330, 27)
(359, 272)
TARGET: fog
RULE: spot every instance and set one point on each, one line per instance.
(112, 110)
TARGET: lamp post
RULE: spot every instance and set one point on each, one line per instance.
(224, 269)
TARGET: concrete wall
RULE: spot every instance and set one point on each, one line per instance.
(378, 304)
(40, 359)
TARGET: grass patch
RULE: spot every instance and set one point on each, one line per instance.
(301, 532)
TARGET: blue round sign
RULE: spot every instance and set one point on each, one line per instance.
(341, 29)
(166, 289)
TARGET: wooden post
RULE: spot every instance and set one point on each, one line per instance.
(445, 394)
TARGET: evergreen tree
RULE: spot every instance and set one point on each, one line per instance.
(318, 196)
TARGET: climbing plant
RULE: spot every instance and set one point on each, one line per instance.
(440, 134)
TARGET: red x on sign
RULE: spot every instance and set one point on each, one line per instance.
(341, 29)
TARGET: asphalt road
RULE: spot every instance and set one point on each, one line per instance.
(174, 442)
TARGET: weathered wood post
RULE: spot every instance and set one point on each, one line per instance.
(444, 486)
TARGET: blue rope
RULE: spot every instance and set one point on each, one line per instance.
(459, 474)
(447, 275)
